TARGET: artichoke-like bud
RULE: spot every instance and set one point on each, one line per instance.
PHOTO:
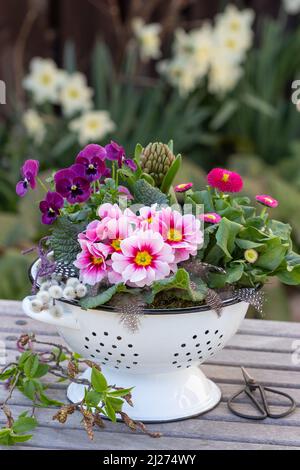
(156, 159)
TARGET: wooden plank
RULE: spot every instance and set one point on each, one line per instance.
(270, 328)
(195, 429)
(258, 359)
(231, 374)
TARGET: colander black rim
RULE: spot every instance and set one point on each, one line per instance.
(152, 311)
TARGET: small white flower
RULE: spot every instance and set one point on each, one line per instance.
(55, 292)
(44, 80)
(75, 95)
(292, 7)
(92, 126)
(45, 285)
(56, 311)
(148, 38)
(180, 73)
(80, 291)
(236, 23)
(44, 297)
(69, 293)
(223, 75)
(73, 282)
(34, 125)
(36, 305)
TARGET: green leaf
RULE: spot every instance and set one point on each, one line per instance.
(93, 398)
(272, 256)
(137, 152)
(7, 373)
(224, 114)
(41, 371)
(171, 175)
(120, 393)
(103, 298)
(180, 280)
(31, 365)
(24, 424)
(226, 235)
(147, 195)
(64, 239)
(98, 380)
(29, 389)
(116, 403)
(45, 400)
(247, 244)
(233, 275)
(202, 197)
(109, 410)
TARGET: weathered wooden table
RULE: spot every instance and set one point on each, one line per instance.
(266, 348)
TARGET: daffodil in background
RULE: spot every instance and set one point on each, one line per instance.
(92, 126)
(148, 38)
(44, 80)
(75, 96)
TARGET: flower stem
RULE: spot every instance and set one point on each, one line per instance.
(42, 184)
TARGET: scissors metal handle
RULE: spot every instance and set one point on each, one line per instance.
(263, 407)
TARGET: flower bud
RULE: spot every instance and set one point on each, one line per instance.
(69, 293)
(251, 255)
(80, 291)
(44, 297)
(56, 311)
(73, 282)
(36, 306)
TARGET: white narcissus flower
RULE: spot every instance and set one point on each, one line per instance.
(75, 95)
(92, 126)
(148, 38)
(34, 125)
(237, 23)
(292, 7)
(180, 73)
(223, 75)
(44, 80)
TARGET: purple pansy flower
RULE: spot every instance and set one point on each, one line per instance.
(72, 184)
(50, 207)
(29, 173)
(116, 152)
(91, 157)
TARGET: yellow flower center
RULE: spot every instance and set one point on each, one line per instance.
(116, 244)
(73, 187)
(93, 124)
(181, 186)
(231, 43)
(149, 220)
(225, 177)
(73, 93)
(174, 235)
(210, 216)
(143, 258)
(235, 25)
(45, 79)
(267, 199)
(97, 260)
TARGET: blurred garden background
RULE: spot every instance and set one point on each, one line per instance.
(216, 76)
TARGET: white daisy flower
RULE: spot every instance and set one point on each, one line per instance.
(75, 95)
(34, 125)
(44, 80)
(92, 126)
(148, 38)
(292, 7)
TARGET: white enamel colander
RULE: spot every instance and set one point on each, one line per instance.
(161, 361)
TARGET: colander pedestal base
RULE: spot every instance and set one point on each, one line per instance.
(160, 397)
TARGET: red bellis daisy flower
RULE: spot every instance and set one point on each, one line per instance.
(225, 180)
(210, 218)
(266, 200)
(183, 187)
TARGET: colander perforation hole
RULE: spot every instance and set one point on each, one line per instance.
(109, 353)
(118, 361)
(176, 354)
(207, 331)
(208, 342)
(197, 345)
(86, 347)
(195, 336)
(130, 345)
(101, 344)
(97, 350)
(174, 362)
(86, 338)
(221, 336)
(94, 333)
(92, 355)
(219, 345)
(135, 363)
(188, 354)
(183, 345)
(178, 367)
(119, 338)
(122, 354)
(114, 346)
(105, 333)
(216, 332)
(189, 360)
(136, 354)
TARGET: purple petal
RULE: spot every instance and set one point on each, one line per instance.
(131, 164)
(55, 200)
(90, 151)
(21, 188)
(30, 166)
(125, 191)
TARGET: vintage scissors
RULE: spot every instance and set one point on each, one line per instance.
(251, 386)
